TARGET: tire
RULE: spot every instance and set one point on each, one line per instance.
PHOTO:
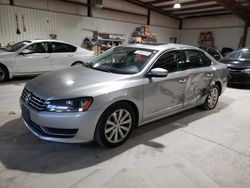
(3, 74)
(115, 125)
(212, 98)
(78, 63)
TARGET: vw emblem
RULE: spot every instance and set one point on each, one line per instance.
(28, 97)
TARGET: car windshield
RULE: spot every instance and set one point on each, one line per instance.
(17, 46)
(240, 55)
(122, 60)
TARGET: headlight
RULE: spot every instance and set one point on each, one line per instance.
(69, 105)
(246, 71)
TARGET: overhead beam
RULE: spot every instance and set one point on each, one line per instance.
(158, 1)
(185, 3)
(148, 6)
(196, 8)
(206, 15)
(90, 9)
(203, 12)
(74, 2)
(235, 8)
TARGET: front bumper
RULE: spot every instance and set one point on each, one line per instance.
(239, 78)
(75, 127)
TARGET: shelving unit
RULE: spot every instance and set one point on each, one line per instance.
(143, 35)
(108, 40)
(206, 39)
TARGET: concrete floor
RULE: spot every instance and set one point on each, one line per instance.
(192, 149)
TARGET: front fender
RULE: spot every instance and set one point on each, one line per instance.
(134, 95)
(10, 67)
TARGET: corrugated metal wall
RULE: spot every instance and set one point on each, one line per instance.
(39, 24)
(70, 28)
(224, 37)
(227, 30)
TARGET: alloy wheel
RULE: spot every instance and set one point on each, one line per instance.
(213, 97)
(118, 126)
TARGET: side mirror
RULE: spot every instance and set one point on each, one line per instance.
(158, 72)
(25, 51)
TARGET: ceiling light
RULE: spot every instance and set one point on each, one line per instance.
(177, 4)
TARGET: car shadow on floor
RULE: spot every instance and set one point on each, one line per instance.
(22, 151)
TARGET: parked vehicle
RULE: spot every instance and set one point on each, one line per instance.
(225, 51)
(213, 52)
(39, 56)
(238, 64)
(122, 88)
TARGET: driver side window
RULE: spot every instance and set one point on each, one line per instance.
(171, 61)
(38, 48)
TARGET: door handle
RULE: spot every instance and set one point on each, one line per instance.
(183, 81)
(210, 74)
(46, 57)
(70, 55)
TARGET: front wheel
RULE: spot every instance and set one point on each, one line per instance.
(212, 98)
(115, 125)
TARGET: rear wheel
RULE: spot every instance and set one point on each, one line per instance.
(115, 125)
(212, 98)
(3, 74)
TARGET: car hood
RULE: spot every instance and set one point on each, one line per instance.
(75, 82)
(4, 53)
(236, 63)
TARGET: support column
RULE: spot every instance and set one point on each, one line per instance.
(148, 16)
(245, 34)
(90, 13)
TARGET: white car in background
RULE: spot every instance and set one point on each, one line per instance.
(34, 57)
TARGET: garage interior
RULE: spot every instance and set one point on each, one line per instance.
(194, 148)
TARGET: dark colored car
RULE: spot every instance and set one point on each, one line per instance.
(238, 64)
(213, 52)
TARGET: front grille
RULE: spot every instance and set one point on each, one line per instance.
(235, 70)
(236, 75)
(33, 101)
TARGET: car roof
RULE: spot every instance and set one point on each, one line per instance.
(49, 40)
(161, 46)
(45, 40)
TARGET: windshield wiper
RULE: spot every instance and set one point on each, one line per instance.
(100, 69)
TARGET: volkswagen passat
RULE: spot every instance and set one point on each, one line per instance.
(39, 56)
(121, 89)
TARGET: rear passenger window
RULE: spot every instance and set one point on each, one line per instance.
(171, 61)
(62, 48)
(196, 59)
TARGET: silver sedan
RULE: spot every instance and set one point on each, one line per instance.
(123, 88)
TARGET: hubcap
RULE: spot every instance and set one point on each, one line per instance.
(213, 97)
(1, 74)
(118, 126)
